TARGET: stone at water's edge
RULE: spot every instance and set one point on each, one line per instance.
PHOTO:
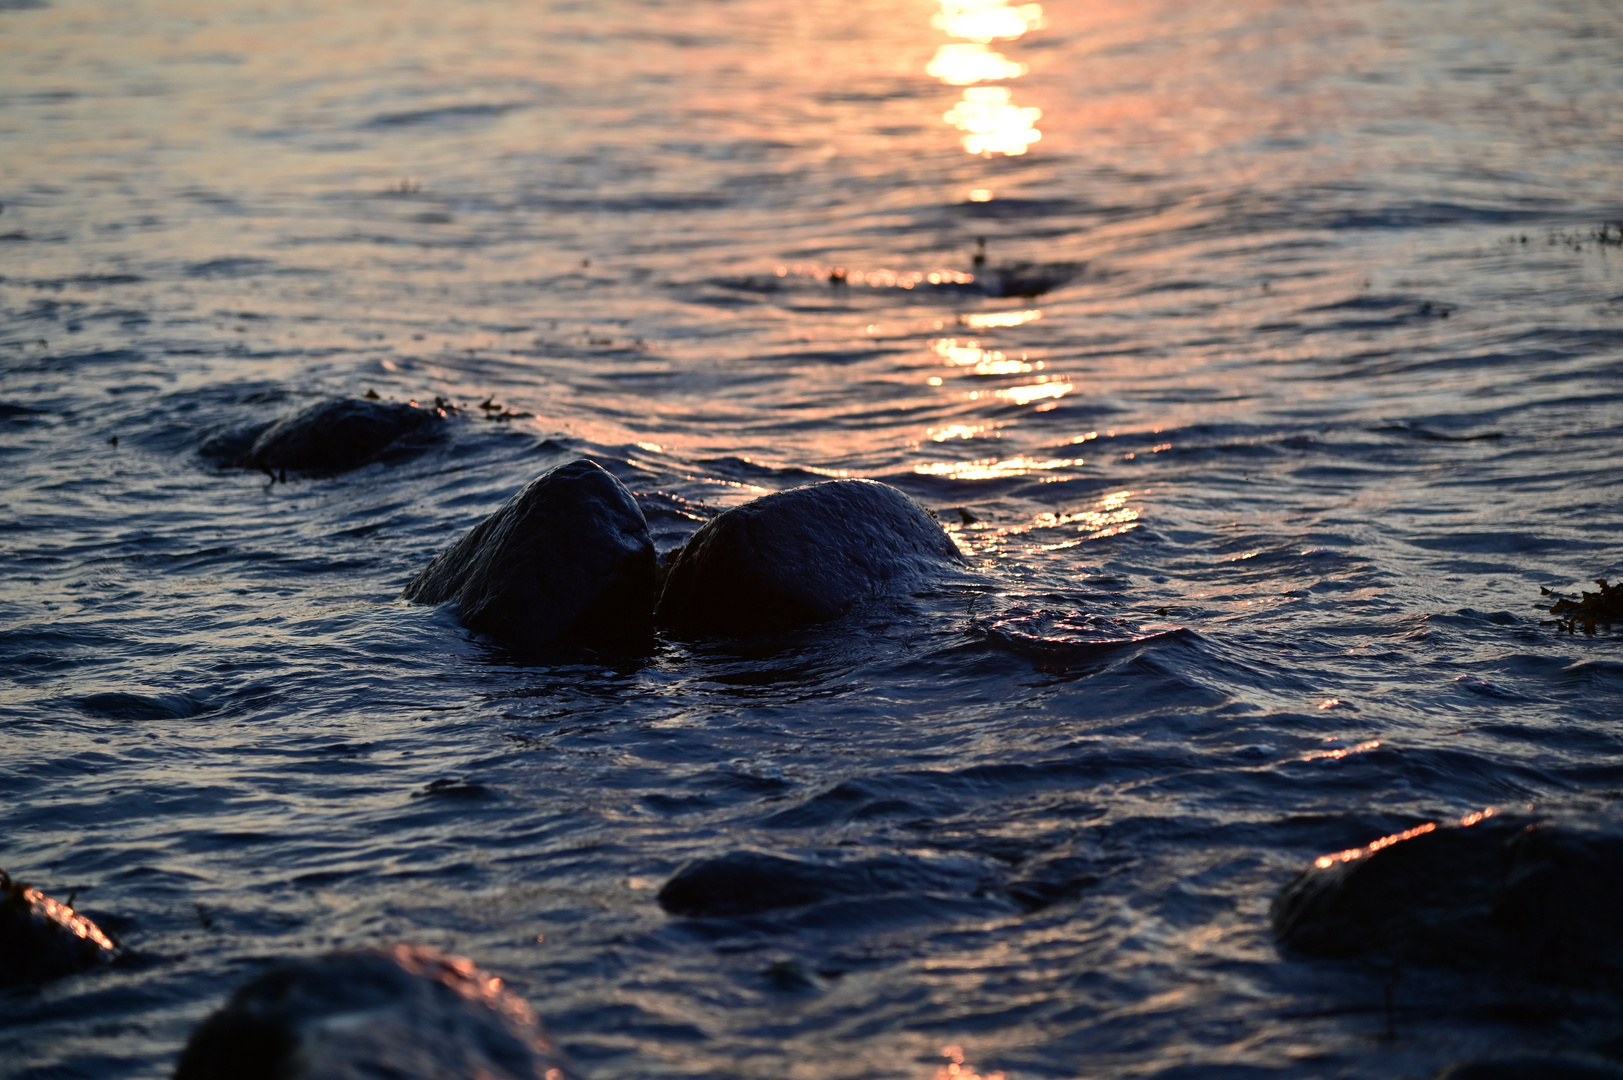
(405, 1011)
(1493, 892)
(41, 938)
(1534, 1067)
(567, 561)
(329, 437)
(802, 556)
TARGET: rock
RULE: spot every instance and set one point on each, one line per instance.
(41, 938)
(802, 556)
(567, 561)
(328, 437)
(1491, 892)
(405, 1011)
(1534, 1067)
(751, 882)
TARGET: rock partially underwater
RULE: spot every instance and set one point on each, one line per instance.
(406, 1011)
(42, 939)
(567, 561)
(331, 436)
(804, 556)
(1490, 893)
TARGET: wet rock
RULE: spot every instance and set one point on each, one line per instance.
(405, 1011)
(42, 939)
(567, 561)
(802, 556)
(329, 437)
(751, 882)
(1534, 1067)
(1506, 893)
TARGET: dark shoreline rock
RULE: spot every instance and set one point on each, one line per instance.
(802, 556)
(405, 1011)
(330, 436)
(743, 883)
(43, 939)
(566, 561)
(1494, 893)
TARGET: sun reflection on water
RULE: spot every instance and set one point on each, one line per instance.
(987, 20)
(987, 115)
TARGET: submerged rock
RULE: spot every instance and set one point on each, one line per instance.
(567, 561)
(1505, 893)
(41, 938)
(405, 1011)
(802, 556)
(1534, 1067)
(751, 882)
(328, 437)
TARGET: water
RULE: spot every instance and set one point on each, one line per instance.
(1322, 380)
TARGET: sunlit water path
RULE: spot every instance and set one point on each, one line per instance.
(1287, 336)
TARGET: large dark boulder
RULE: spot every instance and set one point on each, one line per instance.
(1492, 892)
(402, 1012)
(1534, 1067)
(751, 882)
(328, 437)
(41, 938)
(798, 557)
(567, 561)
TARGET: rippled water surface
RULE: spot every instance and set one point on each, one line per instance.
(1286, 337)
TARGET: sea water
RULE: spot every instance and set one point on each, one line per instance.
(1265, 359)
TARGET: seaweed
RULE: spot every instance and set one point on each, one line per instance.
(1593, 609)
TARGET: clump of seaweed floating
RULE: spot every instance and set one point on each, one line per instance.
(1594, 609)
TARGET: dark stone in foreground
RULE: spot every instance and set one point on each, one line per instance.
(406, 1012)
(752, 882)
(566, 561)
(1507, 894)
(43, 939)
(802, 556)
(1534, 1067)
(329, 437)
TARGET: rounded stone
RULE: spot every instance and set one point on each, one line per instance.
(405, 1011)
(42, 938)
(803, 556)
(1500, 892)
(567, 561)
(335, 435)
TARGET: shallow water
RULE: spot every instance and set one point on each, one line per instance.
(1319, 381)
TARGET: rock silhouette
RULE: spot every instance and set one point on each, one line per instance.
(566, 561)
(406, 1011)
(1506, 893)
(803, 556)
(42, 939)
(328, 437)
(751, 882)
(1534, 1067)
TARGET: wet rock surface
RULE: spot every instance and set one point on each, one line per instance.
(803, 556)
(1534, 1067)
(567, 561)
(1500, 893)
(43, 939)
(746, 883)
(328, 437)
(406, 1011)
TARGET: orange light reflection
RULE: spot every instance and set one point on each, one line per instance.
(1324, 862)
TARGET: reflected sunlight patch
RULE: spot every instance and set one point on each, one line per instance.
(987, 20)
(992, 468)
(1025, 395)
(1109, 516)
(987, 320)
(960, 65)
(992, 123)
(982, 361)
